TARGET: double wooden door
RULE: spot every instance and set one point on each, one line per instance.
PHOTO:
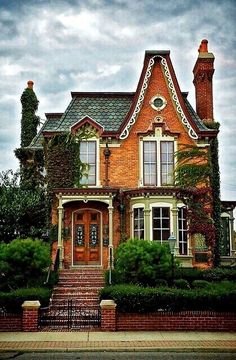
(87, 231)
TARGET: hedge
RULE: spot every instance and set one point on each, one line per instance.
(12, 301)
(131, 298)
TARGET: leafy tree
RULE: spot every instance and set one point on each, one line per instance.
(142, 262)
(22, 212)
(23, 262)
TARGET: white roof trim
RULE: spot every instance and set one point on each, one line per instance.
(86, 117)
(125, 132)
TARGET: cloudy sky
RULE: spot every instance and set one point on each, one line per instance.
(98, 45)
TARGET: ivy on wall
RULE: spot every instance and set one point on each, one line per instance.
(193, 175)
(215, 186)
(64, 167)
(29, 121)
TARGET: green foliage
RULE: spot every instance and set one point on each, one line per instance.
(142, 262)
(201, 284)
(24, 262)
(64, 167)
(193, 175)
(22, 212)
(181, 284)
(29, 120)
(32, 166)
(12, 301)
(193, 167)
(215, 185)
(131, 298)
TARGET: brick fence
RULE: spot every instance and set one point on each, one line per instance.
(169, 321)
(112, 320)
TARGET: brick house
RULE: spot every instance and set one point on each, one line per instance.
(128, 187)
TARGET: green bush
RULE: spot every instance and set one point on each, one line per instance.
(12, 301)
(181, 284)
(219, 274)
(161, 283)
(142, 262)
(24, 262)
(131, 298)
(201, 284)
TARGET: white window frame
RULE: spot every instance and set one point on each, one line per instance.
(158, 140)
(159, 205)
(97, 165)
(180, 206)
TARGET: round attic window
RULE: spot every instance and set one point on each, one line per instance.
(158, 102)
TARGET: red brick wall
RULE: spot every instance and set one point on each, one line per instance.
(198, 320)
(11, 322)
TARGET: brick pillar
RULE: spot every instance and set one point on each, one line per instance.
(30, 315)
(108, 315)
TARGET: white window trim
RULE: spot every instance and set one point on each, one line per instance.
(97, 178)
(158, 140)
(179, 206)
(136, 206)
(226, 215)
(160, 204)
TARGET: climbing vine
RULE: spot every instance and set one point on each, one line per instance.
(193, 176)
(64, 167)
(29, 120)
(215, 186)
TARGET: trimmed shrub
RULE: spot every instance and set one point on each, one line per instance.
(12, 301)
(201, 284)
(24, 262)
(181, 284)
(142, 262)
(161, 283)
(131, 298)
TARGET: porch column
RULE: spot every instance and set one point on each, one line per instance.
(59, 238)
(110, 247)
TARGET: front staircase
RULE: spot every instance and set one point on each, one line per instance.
(75, 300)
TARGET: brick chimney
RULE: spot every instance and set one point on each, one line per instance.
(203, 72)
(30, 84)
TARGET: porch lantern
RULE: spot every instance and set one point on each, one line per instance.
(172, 241)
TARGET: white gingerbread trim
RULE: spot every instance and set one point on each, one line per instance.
(137, 109)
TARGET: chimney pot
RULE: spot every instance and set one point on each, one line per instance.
(30, 84)
(203, 46)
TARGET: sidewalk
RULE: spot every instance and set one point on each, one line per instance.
(117, 341)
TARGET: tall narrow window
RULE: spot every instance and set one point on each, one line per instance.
(167, 162)
(150, 163)
(139, 223)
(161, 223)
(182, 222)
(88, 157)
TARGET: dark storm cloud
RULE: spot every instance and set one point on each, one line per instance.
(98, 45)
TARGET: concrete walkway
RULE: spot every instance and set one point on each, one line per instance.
(117, 341)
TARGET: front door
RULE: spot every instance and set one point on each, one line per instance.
(86, 247)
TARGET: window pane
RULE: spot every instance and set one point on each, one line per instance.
(139, 223)
(182, 223)
(167, 162)
(161, 223)
(149, 163)
(88, 156)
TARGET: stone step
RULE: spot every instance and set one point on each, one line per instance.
(79, 289)
(76, 282)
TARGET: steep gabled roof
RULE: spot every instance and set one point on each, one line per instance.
(116, 112)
